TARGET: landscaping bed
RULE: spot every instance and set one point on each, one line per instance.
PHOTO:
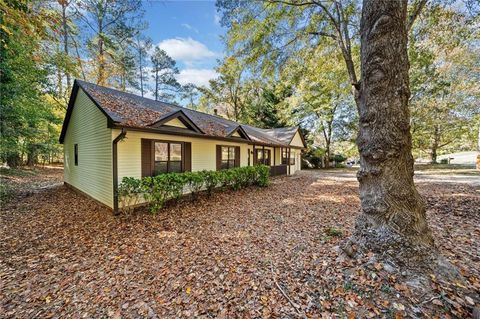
(252, 253)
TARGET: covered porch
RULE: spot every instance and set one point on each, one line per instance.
(282, 160)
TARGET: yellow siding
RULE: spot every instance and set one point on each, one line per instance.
(297, 140)
(175, 122)
(297, 155)
(203, 152)
(88, 129)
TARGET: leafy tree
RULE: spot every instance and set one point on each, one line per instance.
(164, 71)
(443, 75)
(266, 34)
(190, 93)
(109, 24)
(267, 104)
(23, 112)
(226, 91)
(142, 45)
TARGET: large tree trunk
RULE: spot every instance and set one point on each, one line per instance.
(392, 219)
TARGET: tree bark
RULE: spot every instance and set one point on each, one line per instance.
(64, 5)
(435, 145)
(392, 219)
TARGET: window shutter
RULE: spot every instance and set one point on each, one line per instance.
(187, 157)
(237, 156)
(255, 156)
(146, 157)
(219, 157)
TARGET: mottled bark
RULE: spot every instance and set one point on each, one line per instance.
(435, 145)
(392, 219)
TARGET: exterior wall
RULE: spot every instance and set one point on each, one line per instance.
(88, 128)
(203, 152)
(297, 140)
(296, 153)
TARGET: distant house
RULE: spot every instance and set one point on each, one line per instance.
(109, 134)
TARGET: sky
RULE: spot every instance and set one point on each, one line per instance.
(189, 31)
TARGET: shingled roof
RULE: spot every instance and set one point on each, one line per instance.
(128, 110)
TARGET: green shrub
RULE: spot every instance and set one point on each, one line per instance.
(5, 192)
(129, 192)
(211, 179)
(195, 182)
(444, 161)
(263, 175)
(158, 189)
(155, 191)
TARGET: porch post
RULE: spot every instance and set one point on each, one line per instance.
(263, 154)
(253, 155)
(274, 156)
(289, 154)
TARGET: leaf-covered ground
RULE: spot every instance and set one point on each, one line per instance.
(255, 253)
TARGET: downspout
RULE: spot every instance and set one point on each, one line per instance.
(120, 137)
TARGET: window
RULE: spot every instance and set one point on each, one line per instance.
(228, 157)
(168, 157)
(263, 156)
(285, 157)
(75, 152)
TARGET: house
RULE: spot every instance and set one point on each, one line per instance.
(109, 134)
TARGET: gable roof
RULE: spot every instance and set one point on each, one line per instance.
(128, 110)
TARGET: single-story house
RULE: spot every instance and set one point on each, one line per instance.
(109, 134)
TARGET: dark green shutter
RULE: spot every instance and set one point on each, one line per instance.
(146, 157)
(237, 156)
(219, 157)
(187, 157)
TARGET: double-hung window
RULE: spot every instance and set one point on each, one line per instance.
(263, 156)
(228, 157)
(168, 157)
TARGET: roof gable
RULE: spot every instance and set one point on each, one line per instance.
(177, 119)
(297, 140)
(239, 132)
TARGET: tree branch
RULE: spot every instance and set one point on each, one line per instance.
(323, 34)
(418, 7)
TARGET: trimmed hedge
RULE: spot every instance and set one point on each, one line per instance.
(158, 189)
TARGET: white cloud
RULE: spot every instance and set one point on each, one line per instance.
(199, 77)
(189, 27)
(186, 49)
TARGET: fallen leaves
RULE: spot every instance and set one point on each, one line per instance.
(63, 255)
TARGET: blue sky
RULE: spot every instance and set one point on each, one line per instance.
(189, 31)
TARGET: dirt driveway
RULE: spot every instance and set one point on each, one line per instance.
(255, 253)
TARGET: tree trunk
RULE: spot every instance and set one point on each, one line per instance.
(392, 219)
(101, 54)
(478, 149)
(434, 148)
(64, 5)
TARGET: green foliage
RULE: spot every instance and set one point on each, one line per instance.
(194, 182)
(129, 192)
(26, 114)
(171, 186)
(211, 180)
(339, 158)
(5, 192)
(333, 232)
(163, 73)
